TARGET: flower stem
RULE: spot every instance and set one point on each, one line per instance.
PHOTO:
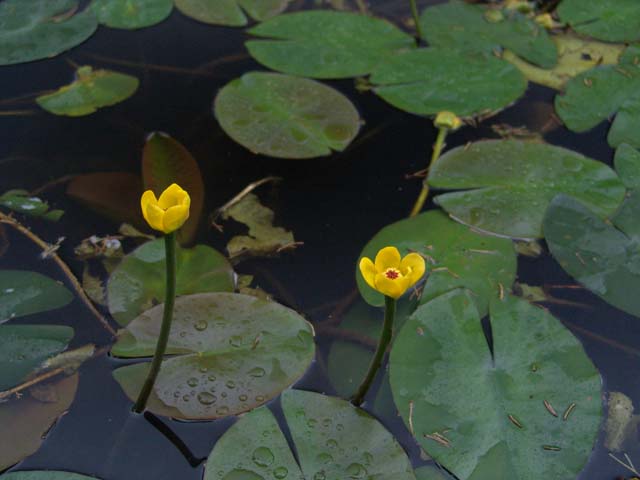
(416, 19)
(167, 314)
(383, 344)
(424, 193)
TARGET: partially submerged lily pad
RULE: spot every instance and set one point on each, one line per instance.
(326, 44)
(35, 29)
(475, 29)
(284, 116)
(231, 353)
(231, 12)
(44, 475)
(24, 293)
(131, 14)
(456, 257)
(332, 438)
(20, 201)
(91, 90)
(611, 21)
(507, 184)
(483, 415)
(138, 283)
(430, 80)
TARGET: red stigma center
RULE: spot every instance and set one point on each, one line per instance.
(392, 274)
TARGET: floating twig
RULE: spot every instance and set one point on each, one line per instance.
(550, 409)
(514, 420)
(567, 412)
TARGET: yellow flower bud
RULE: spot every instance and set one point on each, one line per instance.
(447, 120)
(546, 20)
(167, 213)
(390, 274)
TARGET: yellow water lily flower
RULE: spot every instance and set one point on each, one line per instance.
(167, 213)
(390, 274)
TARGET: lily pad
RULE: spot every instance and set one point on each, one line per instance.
(456, 257)
(44, 475)
(284, 116)
(332, 438)
(36, 29)
(326, 44)
(507, 184)
(475, 29)
(138, 283)
(231, 12)
(482, 414)
(92, 89)
(575, 55)
(431, 473)
(597, 94)
(131, 14)
(611, 21)
(430, 80)
(24, 293)
(23, 348)
(21, 202)
(166, 161)
(231, 353)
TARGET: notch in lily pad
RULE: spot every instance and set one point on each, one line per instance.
(232, 13)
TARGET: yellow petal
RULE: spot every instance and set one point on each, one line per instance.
(412, 267)
(153, 215)
(174, 218)
(393, 288)
(172, 196)
(368, 271)
(147, 198)
(388, 257)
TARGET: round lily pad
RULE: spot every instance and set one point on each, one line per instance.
(131, 14)
(44, 475)
(530, 409)
(231, 353)
(430, 80)
(92, 89)
(507, 184)
(24, 293)
(35, 29)
(231, 12)
(456, 257)
(138, 282)
(284, 116)
(332, 438)
(612, 21)
(326, 44)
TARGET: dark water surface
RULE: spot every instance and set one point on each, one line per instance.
(334, 205)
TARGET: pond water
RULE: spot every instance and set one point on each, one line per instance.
(333, 204)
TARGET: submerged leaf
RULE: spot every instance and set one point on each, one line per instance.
(507, 184)
(611, 20)
(91, 90)
(284, 116)
(332, 439)
(231, 12)
(484, 416)
(138, 283)
(35, 29)
(230, 354)
(131, 14)
(21, 202)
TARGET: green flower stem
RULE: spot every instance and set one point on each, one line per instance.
(424, 193)
(416, 18)
(383, 344)
(167, 315)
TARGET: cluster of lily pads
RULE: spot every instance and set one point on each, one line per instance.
(525, 403)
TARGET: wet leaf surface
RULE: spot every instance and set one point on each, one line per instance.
(597, 94)
(232, 353)
(91, 90)
(611, 21)
(284, 116)
(20, 201)
(431, 473)
(507, 184)
(231, 12)
(485, 417)
(26, 420)
(333, 440)
(326, 44)
(166, 161)
(456, 257)
(430, 80)
(138, 283)
(475, 29)
(35, 29)
(131, 14)
(44, 475)
(24, 293)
